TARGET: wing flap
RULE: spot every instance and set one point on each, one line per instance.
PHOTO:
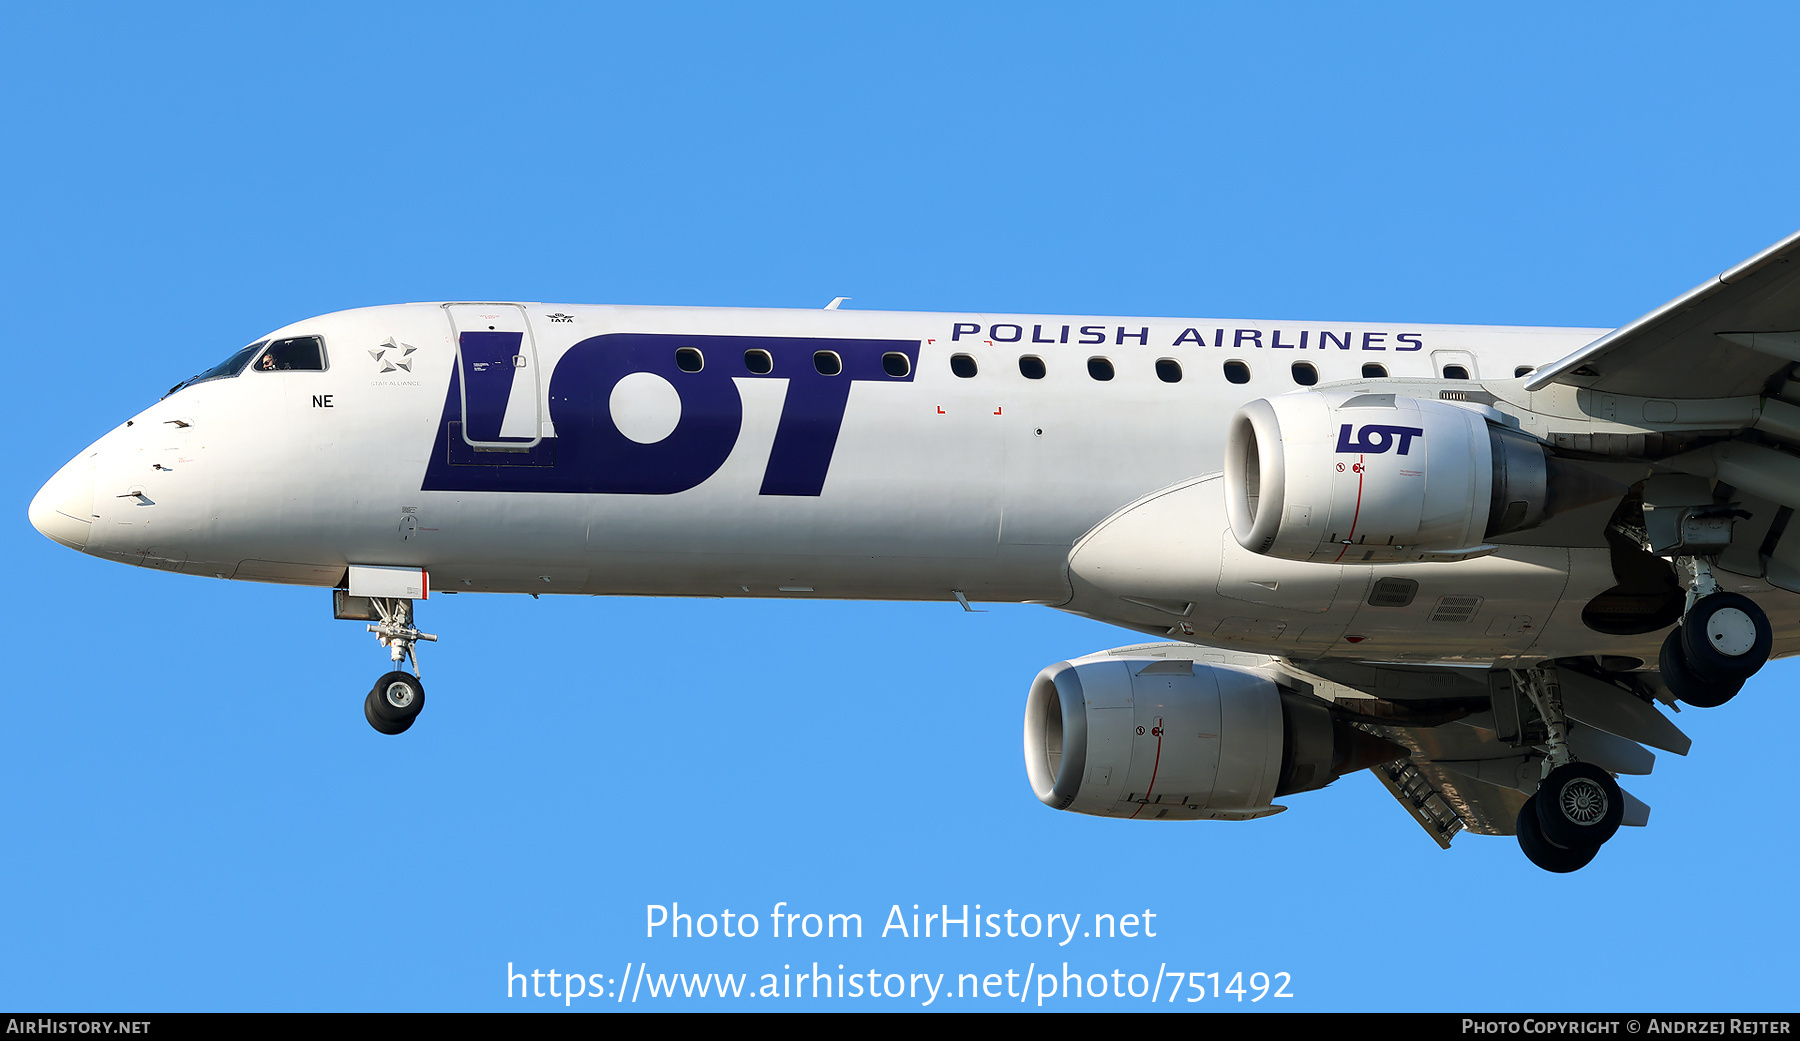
(1446, 802)
(1474, 771)
(1415, 793)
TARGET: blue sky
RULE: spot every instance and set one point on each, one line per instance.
(200, 819)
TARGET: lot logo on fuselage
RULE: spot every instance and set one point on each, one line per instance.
(1376, 438)
(590, 454)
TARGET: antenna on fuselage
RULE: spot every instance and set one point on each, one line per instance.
(835, 301)
(963, 599)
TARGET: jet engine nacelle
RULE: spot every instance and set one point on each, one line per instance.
(1356, 478)
(1173, 739)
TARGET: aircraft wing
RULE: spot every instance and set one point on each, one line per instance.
(1726, 337)
(1465, 771)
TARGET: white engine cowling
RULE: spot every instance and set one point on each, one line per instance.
(1357, 478)
(1174, 739)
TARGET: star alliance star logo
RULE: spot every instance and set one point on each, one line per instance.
(399, 359)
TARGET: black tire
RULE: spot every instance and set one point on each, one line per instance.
(1544, 853)
(1679, 677)
(381, 725)
(397, 697)
(1726, 637)
(1579, 805)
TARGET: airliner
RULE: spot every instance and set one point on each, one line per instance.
(1475, 561)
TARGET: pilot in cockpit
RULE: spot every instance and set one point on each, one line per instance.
(299, 353)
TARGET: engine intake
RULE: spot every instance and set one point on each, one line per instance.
(1173, 739)
(1351, 478)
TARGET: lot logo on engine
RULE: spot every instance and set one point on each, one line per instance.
(1376, 438)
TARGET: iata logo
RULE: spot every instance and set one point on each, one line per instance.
(1376, 438)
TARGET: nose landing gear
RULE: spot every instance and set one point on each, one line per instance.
(397, 697)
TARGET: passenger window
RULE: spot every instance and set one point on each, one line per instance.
(895, 364)
(1031, 367)
(1237, 372)
(1100, 369)
(963, 365)
(1374, 370)
(827, 363)
(689, 360)
(759, 361)
(1523, 370)
(1305, 374)
(1455, 372)
(299, 354)
(1168, 370)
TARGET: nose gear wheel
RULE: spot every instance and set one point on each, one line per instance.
(394, 702)
(398, 697)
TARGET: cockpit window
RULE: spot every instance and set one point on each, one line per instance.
(229, 367)
(299, 354)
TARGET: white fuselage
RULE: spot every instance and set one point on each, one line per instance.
(580, 455)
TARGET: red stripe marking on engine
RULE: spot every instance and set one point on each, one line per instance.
(1145, 801)
(1353, 516)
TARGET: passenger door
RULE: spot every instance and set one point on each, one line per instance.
(497, 368)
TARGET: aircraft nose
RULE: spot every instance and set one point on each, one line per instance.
(63, 509)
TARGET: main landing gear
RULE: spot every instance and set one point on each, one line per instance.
(397, 697)
(1581, 806)
(1723, 640)
(1577, 806)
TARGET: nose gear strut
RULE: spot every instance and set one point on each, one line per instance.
(397, 697)
(395, 630)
